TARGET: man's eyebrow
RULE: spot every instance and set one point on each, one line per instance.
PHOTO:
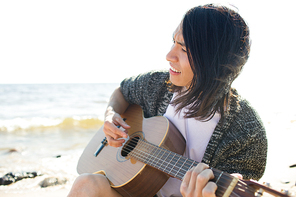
(180, 43)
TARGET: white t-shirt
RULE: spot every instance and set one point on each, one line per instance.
(197, 135)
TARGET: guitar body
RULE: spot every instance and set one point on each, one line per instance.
(128, 176)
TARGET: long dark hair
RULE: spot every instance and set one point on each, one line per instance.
(218, 45)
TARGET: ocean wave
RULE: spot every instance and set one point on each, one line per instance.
(38, 124)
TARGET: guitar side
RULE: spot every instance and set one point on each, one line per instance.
(128, 176)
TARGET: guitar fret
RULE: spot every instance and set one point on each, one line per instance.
(150, 149)
(160, 159)
(151, 156)
(169, 163)
(155, 157)
(219, 177)
(178, 166)
(193, 164)
(170, 157)
(167, 155)
(181, 176)
(174, 165)
(184, 167)
(164, 159)
(152, 152)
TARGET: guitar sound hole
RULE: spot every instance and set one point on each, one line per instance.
(129, 146)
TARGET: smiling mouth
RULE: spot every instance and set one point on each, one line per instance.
(175, 70)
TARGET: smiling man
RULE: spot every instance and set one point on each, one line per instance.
(211, 45)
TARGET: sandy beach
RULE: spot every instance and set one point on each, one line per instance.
(43, 193)
(279, 179)
(32, 186)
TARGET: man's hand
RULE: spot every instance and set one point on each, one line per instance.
(111, 130)
(196, 182)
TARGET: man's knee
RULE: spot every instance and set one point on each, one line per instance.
(92, 179)
(89, 185)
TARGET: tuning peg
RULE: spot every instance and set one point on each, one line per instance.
(260, 192)
(267, 184)
(285, 191)
(285, 181)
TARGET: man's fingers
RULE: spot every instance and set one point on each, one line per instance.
(196, 182)
(122, 123)
(204, 177)
(112, 135)
(237, 175)
(209, 190)
(115, 128)
(185, 182)
(114, 131)
(199, 177)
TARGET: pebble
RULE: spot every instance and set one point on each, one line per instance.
(52, 181)
(13, 177)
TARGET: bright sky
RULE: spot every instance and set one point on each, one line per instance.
(70, 41)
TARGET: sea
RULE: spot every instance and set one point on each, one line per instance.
(44, 128)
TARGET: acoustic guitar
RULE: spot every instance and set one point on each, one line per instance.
(151, 154)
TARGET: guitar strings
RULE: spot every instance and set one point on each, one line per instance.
(152, 147)
(221, 189)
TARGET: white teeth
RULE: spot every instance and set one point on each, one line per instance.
(175, 70)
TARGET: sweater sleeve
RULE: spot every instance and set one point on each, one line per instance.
(149, 90)
(244, 148)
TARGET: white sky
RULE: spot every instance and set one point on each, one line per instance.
(68, 41)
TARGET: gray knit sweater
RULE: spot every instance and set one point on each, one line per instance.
(238, 144)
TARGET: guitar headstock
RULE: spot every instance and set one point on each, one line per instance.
(265, 189)
(246, 188)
